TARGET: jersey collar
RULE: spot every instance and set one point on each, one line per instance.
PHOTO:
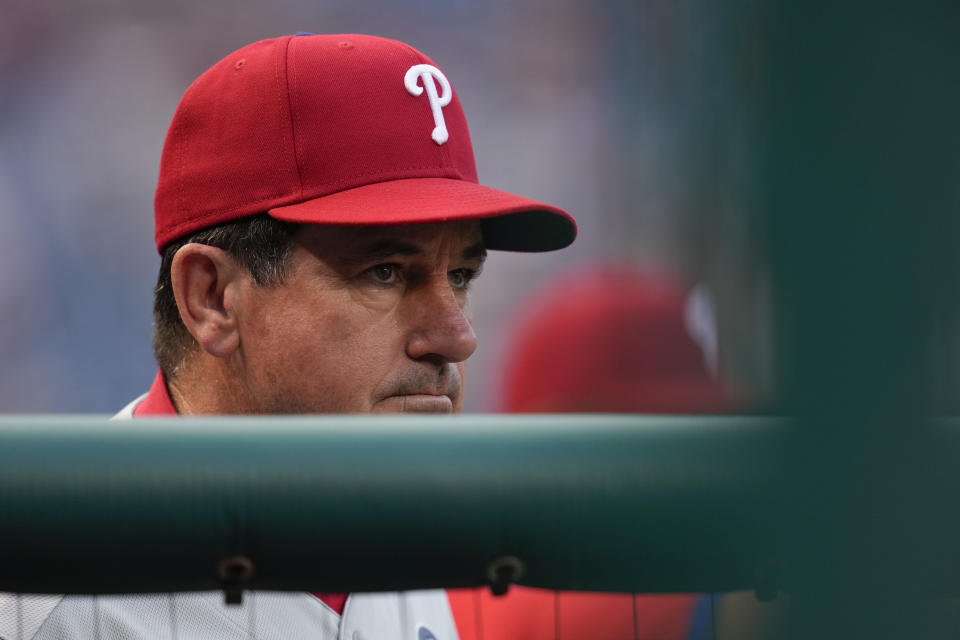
(157, 402)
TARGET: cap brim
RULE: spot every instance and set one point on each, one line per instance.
(510, 223)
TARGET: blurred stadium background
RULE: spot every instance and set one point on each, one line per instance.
(634, 116)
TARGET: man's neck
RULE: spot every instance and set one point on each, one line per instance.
(202, 387)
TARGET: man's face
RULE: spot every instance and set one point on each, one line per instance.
(368, 319)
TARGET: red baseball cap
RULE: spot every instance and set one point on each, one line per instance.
(334, 129)
(610, 338)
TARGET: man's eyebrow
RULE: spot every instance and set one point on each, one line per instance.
(475, 252)
(380, 250)
(385, 248)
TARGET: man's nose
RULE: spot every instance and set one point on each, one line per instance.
(440, 327)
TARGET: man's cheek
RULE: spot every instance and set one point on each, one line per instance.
(458, 401)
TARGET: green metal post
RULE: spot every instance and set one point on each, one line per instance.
(860, 172)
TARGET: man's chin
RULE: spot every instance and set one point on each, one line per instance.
(418, 403)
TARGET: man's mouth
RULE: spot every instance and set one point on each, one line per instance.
(415, 403)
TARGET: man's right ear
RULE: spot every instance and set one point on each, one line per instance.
(204, 280)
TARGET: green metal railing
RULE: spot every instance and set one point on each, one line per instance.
(623, 503)
(619, 503)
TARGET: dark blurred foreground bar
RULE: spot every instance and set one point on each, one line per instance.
(361, 503)
(646, 504)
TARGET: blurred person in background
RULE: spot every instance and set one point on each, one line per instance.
(605, 338)
(613, 339)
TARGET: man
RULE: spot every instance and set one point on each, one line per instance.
(319, 222)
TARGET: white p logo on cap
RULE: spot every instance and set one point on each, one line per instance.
(427, 73)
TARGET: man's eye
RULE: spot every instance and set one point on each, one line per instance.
(385, 273)
(460, 279)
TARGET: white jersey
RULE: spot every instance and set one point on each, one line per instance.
(411, 615)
